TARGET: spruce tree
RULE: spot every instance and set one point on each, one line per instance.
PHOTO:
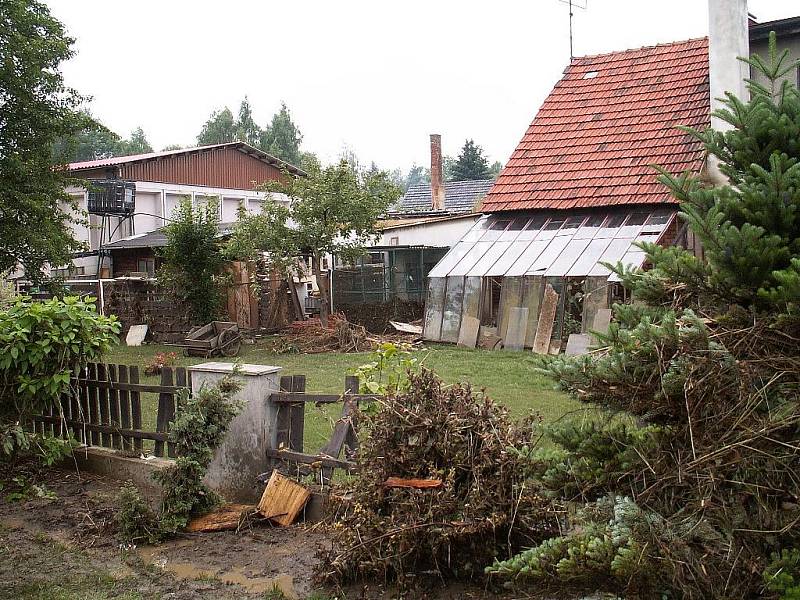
(471, 164)
(697, 499)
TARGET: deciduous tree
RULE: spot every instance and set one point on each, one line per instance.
(219, 129)
(37, 109)
(332, 211)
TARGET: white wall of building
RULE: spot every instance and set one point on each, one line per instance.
(437, 234)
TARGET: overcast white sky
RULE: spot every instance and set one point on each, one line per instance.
(376, 76)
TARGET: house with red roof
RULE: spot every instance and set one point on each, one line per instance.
(580, 190)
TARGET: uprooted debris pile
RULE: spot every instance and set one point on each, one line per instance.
(311, 337)
(481, 510)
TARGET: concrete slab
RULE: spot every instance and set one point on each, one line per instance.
(578, 343)
(228, 368)
(136, 335)
(468, 335)
(602, 320)
(111, 463)
(517, 328)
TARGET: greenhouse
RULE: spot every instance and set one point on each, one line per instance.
(507, 262)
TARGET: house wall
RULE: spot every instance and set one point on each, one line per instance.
(436, 234)
(791, 43)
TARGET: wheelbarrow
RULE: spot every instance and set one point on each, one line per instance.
(218, 337)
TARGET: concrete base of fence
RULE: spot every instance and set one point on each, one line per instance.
(104, 461)
(242, 456)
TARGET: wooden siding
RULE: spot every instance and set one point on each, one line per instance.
(216, 167)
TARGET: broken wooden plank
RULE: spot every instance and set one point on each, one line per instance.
(400, 482)
(225, 518)
(547, 317)
(315, 461)
(283, 499)
(406, 327)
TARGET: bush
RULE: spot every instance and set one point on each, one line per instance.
(41, 346)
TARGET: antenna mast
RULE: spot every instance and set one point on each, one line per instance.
(573, 4)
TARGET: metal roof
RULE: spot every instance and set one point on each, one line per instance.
(459, 196)
(156, 238)
(134, 158)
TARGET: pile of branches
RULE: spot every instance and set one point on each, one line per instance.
(707, 492)
(311, 337)
(477, 508)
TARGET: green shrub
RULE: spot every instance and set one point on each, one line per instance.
(41, 344)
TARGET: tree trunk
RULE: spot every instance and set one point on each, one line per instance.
(324, 290)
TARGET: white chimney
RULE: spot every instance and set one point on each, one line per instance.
(728, 39)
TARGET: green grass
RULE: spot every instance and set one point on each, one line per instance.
(508, 377)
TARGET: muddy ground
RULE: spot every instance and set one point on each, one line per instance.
(65, 547)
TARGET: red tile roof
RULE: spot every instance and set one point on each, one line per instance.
(595, 137)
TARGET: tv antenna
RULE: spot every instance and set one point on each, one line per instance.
(572, 5)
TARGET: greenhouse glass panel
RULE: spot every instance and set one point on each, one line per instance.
(611, 227)
(532, 228)
(571, 224)
(451, 259)
(453, 301)
(470, 258)
(591, 227)
(633, 258)
(550, 253)
(488, 259)
(633, 225)
(474, 234)
(589, 258)
(509, 257)
(615, 251)
(527, 258)
(561, 265)
(434, 306)
(496, 229)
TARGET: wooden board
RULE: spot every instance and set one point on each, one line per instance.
(399, 482)
(225, 518)
(468, 335)
(283, 499)
(516, 329)
(547, 315)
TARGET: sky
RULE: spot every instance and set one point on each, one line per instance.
(374, 77)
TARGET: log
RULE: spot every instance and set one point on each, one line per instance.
(225, 518)
(399, 482)
(283, 499)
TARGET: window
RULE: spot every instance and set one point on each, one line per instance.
(67, 272)
(146, 265)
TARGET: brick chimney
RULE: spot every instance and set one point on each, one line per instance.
(437, 185)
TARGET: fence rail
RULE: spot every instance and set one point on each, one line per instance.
(104, 408)
(292, 400)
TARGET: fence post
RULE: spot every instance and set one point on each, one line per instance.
(242, 456)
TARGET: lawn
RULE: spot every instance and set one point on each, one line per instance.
(509, 377)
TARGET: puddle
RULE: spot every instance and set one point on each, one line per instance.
(185, 570)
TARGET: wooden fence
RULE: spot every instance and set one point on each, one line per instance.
(104, 408)
(338, 452)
